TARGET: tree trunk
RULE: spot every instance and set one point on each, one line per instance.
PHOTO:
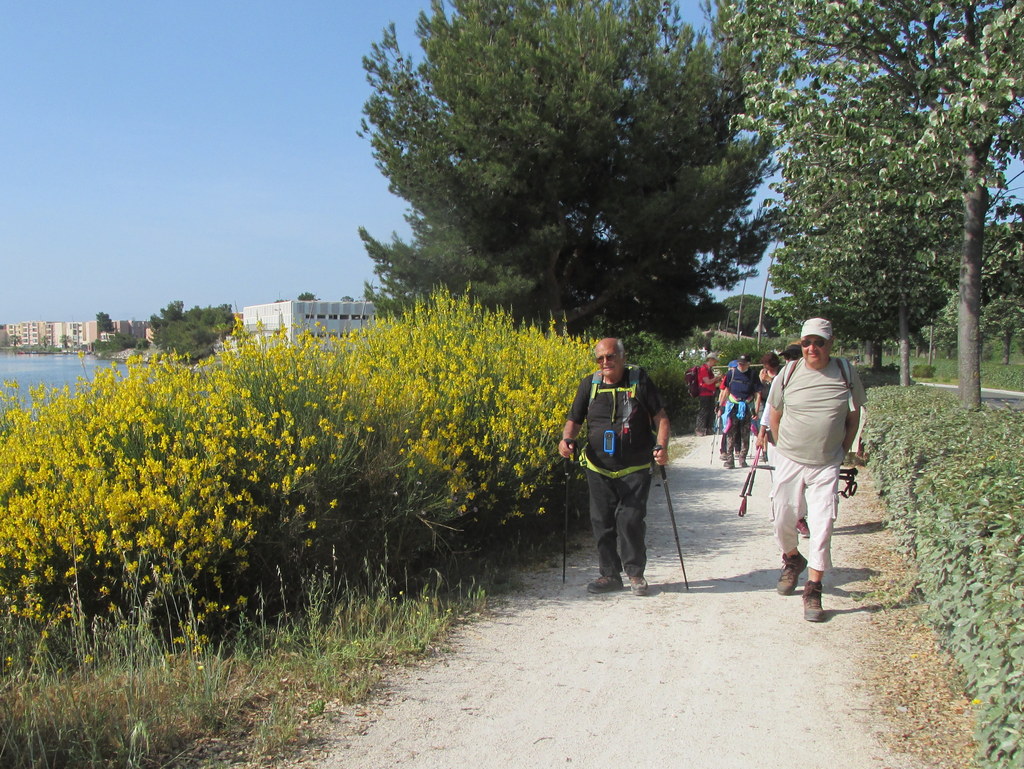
(969, 310)
(904, 322)
(1007, 344)
(874, 351)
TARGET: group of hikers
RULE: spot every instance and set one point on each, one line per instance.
(806, 406)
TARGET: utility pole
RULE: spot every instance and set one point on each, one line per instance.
(764, 292)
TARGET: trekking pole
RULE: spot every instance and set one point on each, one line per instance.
(565, 526)
(672, 516)
(748, 484)
(714, 435)
(848, 474)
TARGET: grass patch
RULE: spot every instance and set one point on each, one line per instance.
(117, 694)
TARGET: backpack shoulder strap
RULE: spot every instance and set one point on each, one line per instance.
(844, 370)
(788, 373)
(634, 379)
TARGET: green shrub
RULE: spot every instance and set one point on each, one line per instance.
(953, 481)
(922, 371)
(197, 487)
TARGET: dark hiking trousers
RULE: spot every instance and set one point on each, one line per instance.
(618, 512)
(705, 414)
(739, 436)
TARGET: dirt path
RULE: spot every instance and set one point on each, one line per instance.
(725, 675)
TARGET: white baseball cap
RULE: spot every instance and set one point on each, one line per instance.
(816, 327)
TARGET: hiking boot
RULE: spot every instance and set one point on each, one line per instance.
(638, 585)
(792, 567)
(729, 464)
(724, 456)
(812, 602)
(743, 461)
(801, 527)
(605, 584)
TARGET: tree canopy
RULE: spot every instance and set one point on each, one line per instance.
(575, 160)
(193, 333)
(899, 91)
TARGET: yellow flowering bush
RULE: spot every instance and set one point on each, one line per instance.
(192, 488)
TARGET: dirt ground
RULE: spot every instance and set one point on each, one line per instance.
(722, 674)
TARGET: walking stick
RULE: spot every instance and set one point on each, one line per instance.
(714, 435)
(848, 474)
(565, 526)
(748, 484)
(672, 515)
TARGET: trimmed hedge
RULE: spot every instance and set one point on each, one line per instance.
(953, 481)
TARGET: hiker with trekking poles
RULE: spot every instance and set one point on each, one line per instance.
(626, 427)
(740, 401)
(816, 407)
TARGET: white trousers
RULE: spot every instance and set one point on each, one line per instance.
(805, 491)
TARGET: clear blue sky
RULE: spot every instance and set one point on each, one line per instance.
(193, 150)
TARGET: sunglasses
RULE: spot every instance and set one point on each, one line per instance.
(809, 342)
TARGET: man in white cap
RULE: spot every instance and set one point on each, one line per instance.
(815, 414)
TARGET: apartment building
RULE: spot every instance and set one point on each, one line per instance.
(317, 317)
(69, 335)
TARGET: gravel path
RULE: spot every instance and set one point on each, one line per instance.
(724, 675)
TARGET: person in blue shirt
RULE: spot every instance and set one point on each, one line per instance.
(740, 402)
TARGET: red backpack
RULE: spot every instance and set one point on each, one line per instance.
(693, 380)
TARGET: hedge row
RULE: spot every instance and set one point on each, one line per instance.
(953, 481)
(993, 374)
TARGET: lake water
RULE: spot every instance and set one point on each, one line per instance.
(51, 370)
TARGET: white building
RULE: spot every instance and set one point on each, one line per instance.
(319, 318)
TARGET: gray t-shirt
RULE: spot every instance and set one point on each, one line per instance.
(814, 406)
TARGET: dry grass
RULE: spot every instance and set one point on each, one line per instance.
(915, 683)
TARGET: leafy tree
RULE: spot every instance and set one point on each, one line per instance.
(194, 333)
(307, 296)
(1003, 309)
(103, 323)
(847, 73)
(574, 160)
(747, 307)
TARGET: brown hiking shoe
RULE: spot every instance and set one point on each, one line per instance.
(792, 567)
(605, 584)
(812, 602)
(638, 585)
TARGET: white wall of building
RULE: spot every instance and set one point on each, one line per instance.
(320, 318)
